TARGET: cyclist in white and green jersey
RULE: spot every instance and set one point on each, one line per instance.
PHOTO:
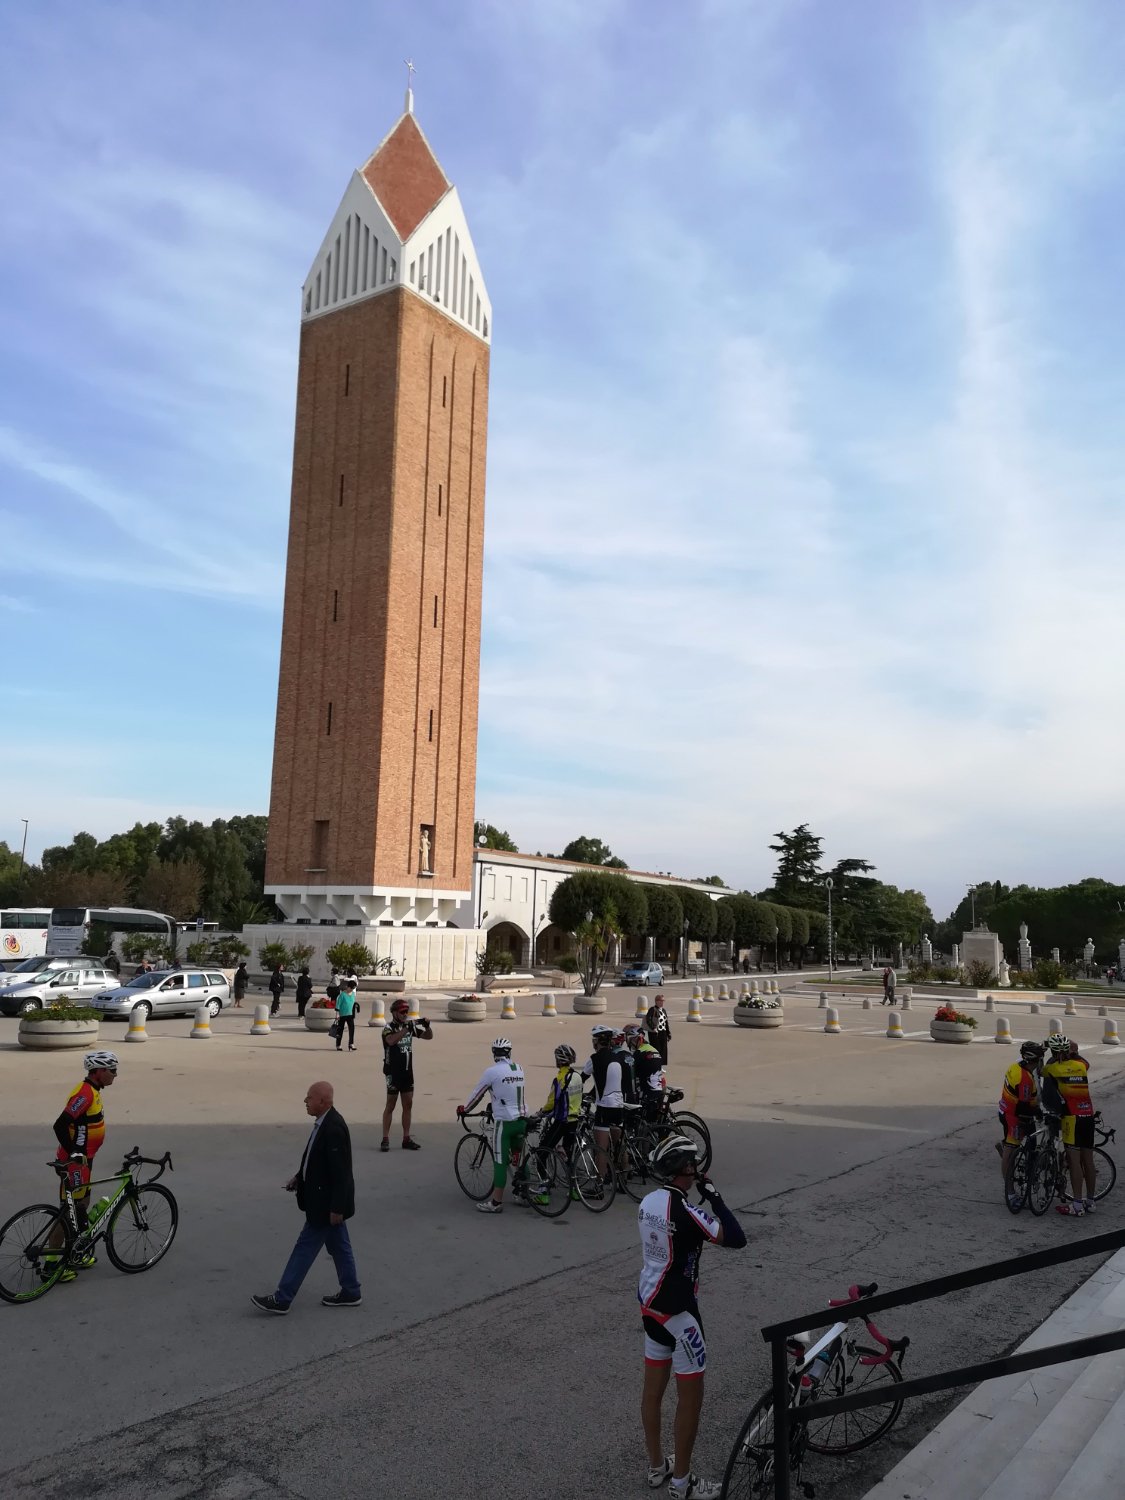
(504, 1081)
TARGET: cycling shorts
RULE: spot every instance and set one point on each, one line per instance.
(507, 1136)
(1012, 1127)
(77, 1179)
(677, 1340)
(400, 1082)
(605, 1118)
(1078, 1131)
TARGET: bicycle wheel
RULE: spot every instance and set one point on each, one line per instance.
(473, 1163)
(696, 1130)
(1041, 1173)
(750, 1467)
(586, 1176)
(547, 1184)
(142, 1228)
(632, 1175)
(29, 1264)
(1017, 1178)
(1107, 1173)
(849, 1431)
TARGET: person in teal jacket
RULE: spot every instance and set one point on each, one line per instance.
(345, 1013)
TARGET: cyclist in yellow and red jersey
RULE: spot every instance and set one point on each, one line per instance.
(1066, 1076)
(1019, 1101)
(80, 1131)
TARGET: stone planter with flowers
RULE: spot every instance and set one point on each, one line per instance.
(59, 1025)
(761, 1011)
(467, 1008)
(951, 1025)
(320, 1014)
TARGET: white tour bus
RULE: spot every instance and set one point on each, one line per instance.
(23, 933)
(70, 925)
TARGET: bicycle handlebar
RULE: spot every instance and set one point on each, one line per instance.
(857, 1293)
(476, 1114)
(135, 1159)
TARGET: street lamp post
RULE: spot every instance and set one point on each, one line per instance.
(828, 886)
(683, 956)
(23, 855)
(973, 907)
(776, 965)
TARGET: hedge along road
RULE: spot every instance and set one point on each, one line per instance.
(490, 1355)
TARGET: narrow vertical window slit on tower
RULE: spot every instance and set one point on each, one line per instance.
(328, 729)
(335, 605)
(340, 501)
(347, 378)
(431, 723)
(439, 499)
(435, 611)
(444, 384)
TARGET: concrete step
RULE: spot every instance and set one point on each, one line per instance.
(1028, 1434)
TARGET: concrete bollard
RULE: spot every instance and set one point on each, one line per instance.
(1034, 1007)
(260, 1026)
(697, 992)
(1070, 1008)
(832, 1019)
(1003, 1029)
(866, 1003)
(640, 1010)
(907, 994)
(414, 1014)
(708, 993)
(906, 1001)
(1111, 1039)
(549, 1005)
(1103, 1010)
(378, 1009)
(694, 1010)
(202, 1028)
(722, 989)
(745, 990)
(822, 1003)
(508, 1009)
(137, 1032)
(1055, 1028)
(894, 1024)
(989, 1003)
(754, 989)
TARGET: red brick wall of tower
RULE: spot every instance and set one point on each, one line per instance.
(377, 703)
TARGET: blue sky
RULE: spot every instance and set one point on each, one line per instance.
(804, 495)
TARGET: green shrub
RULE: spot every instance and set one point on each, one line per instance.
(198, 952)
(567, 964)
(946, 974)
(920, 975)
(495, 961)
(350, 958)
(99, 941)
(979, 973)
(1048, 974)
(227, 951)
(272, 954)
(62, 1010)
(300, 954)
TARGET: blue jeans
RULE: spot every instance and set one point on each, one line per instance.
(311, 1240)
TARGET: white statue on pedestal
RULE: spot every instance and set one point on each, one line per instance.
(1005, 969)
(1025, 948)
(424, 851)
(1088, 951)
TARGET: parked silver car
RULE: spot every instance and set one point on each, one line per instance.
(642, 973)
(37, 992)
(39, 968)
(166, 992)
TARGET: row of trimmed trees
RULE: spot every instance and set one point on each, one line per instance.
(599, 908)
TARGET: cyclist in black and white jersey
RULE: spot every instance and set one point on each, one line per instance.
(609, 1097)
(673, 1233)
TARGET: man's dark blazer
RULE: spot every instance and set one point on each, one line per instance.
(324, 1180)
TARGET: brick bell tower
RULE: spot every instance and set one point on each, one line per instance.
(374, 767)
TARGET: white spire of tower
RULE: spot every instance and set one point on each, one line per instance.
(408, 104)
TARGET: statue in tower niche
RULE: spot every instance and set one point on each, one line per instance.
(1025, 948)
(424, 852)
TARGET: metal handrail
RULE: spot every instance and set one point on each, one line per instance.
(923, 1291)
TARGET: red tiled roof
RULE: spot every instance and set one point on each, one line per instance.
(405, 177)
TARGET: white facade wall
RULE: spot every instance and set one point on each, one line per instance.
(425, 955)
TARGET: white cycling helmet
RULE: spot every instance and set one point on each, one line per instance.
(675, 1154)
(501, 1047)
(94, 1060)
(602, 1030)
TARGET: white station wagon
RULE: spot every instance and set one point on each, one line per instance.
(166, 992)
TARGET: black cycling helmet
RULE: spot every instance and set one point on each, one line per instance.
(675, 1154)
(1031, 1051)
(565, 1055)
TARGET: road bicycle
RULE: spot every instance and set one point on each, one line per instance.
(682, 1122)
(827, 1365)
(1038, 1172)
(594, 1189)
(137, 1221)
(540, 1177)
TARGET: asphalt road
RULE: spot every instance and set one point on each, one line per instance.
(496, 1356)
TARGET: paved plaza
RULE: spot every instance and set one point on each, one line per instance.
(496, 1356)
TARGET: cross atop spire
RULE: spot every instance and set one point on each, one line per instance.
(408, 106)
